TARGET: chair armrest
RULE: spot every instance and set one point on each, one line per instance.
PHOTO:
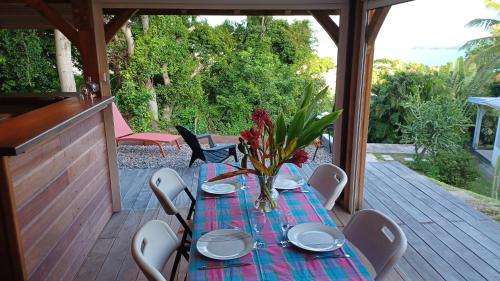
(209, 137)
(221, 147)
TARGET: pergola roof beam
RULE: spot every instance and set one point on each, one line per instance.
(373, 4)
(375, 22)
(56, 19)
(220, 12)
(226, 4)
(117, 22)
(323, 18)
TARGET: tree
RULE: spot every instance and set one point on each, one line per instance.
(483, 53)
(434, 125)
(64, 62)
(393, 88)
(27, 61)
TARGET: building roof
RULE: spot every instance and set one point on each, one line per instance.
(486, 101)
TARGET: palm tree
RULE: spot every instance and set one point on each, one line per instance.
(484, 52)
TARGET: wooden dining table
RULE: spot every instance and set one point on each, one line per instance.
(271, 262)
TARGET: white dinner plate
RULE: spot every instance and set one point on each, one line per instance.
(316, 237)
(288, 182)
(225, 244)
(221, 187)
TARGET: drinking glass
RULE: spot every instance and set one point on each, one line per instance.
(259, 220)
(286, 222)
(243, 182)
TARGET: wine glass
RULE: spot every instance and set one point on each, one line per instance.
(286, 222)
(259, 220)
(243, 182)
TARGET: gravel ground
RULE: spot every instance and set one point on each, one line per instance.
(142, 157)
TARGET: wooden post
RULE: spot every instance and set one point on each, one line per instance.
(117, 22)
(83, 20)
(102, 68)
(350, 60)
(375, 21)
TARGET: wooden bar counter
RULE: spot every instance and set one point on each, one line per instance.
(57, 186)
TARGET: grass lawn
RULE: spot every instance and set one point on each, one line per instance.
(487, 205)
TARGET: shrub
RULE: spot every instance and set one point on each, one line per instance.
(438, 124)
(457, 168)
(392, 89)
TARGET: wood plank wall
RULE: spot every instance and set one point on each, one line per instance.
(63, 199)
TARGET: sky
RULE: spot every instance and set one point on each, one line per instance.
(423, 31)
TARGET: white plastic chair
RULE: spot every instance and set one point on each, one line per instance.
(167, 185)
(152, 246)
(379, 238)
(329, 181)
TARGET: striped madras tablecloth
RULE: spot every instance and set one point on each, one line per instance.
(271, 262)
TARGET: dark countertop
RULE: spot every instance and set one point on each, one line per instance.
(19, 133)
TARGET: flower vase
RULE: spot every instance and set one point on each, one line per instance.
(268, 198)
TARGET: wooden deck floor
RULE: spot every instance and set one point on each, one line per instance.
(448, 240)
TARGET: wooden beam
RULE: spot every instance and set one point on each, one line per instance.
(56, 19)
(219, 12)
(262, 5)
(348, 96)
(82, 16)
(374, 4)
(117, 22)
(102, 68)
(323, 18)
(376, 19)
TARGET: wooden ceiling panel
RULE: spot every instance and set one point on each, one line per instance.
(21, 16)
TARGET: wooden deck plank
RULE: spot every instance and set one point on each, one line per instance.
(450, 202)
(376, 204)
(419, 199)
(95, 260)
(479, 237)
(385, 184)
(411, 175)
(471, 258)
(406, 270)
(439, 256)
(419, 269)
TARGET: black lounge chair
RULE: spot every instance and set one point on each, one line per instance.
(214, 154)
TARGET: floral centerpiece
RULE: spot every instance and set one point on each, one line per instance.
(269, 145)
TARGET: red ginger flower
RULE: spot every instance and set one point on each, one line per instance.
(299, 158)
(252, 136)
(261, 118)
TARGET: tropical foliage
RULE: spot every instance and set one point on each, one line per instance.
(27, 61)
(170, 70)
(483, 53)
(203, 77)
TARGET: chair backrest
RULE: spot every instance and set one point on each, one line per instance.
(152, 245)
(121, 127)
(166, 185)
(379, 238)
(190, 139)
(329, 180)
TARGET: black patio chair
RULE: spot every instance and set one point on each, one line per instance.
(215, 154)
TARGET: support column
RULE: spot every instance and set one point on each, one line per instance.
(375, 20)
(99, 37)
(348, 96)
(477, 128)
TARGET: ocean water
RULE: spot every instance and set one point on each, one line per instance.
(428, 56)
